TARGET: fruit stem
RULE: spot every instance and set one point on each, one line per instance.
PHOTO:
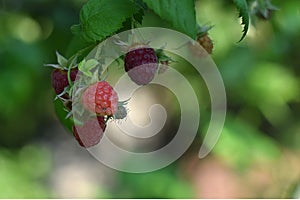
(69, 76)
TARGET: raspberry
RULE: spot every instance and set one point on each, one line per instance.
(206, 43)
(100, 98)
(60, 79)
(91, 132)
(141, 64)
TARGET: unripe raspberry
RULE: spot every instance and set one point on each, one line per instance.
(206, 43)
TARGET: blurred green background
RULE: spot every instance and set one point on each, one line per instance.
(257, 156)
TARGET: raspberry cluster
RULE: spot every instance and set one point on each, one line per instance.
(97, 97)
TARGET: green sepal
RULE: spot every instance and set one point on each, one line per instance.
(85, 66)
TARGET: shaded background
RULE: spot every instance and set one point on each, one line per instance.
(257, 156)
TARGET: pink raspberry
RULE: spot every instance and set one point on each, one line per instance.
(91, 132)
(100, 98)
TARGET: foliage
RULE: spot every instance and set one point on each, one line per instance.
(181, 14)
(100, 19)
(244, 14)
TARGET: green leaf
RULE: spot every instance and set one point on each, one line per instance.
(86, 66)
(62, 61)
(61, 115)
(91, 63)
(101, 18)
(242, 6)
(180, 13)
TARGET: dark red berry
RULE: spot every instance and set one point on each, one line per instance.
(141, 64)
(91, 132)
(60, 79)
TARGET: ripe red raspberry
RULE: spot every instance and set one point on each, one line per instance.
(206, 43)
(91, 132)
(60, 79)
(100, 98)
(141, 64)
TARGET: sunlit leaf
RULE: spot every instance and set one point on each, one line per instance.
(242, 6)
(101, 18)
(180, 13)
